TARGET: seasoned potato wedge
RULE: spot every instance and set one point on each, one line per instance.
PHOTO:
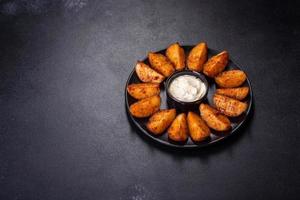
(216, 64)
(231, 78)
(147, 74)
(178, 131)
(143, 90)
(213, 118)
(237, 93)
(161, 64)
(197, 57)
(198, 130)
(176, 55)
(229, 106)
(160, 121)
(145, 107)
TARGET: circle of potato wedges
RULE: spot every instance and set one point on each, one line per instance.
(225, 109)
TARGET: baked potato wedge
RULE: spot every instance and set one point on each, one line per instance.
(197, 57)
(161, 64)
(229, 106)
(176, 55)
(198, 130)
(145, 107)
(216, 64)
(147, 74)
(143, 90)
(160, 121)
(213, 118)
(178, 131)
(239, 93)
(231, 78)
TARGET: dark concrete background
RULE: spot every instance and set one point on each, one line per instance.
(64, 133)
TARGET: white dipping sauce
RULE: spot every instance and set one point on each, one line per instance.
(187, 88)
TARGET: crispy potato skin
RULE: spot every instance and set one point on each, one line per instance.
(147, 74)
(178, 131)
(239, 93)
(213, 118)
(216, 64)
(160, 121)
(229, 106)
(161, 64)
(197, 57)
(176, 55)
(145, 107)
(231, 78)
(143, 90)
(198, 130)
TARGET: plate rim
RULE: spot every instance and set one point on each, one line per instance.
(193, 146)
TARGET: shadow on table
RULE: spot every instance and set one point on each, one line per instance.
(203, 153)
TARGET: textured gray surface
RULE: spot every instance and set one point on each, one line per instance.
(64, 132)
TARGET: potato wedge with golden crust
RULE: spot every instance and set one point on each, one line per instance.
(216, 64)
(197, 57)
(239, 93)
(147, 74)
(213, 118)
(145, 107)
(176, 55)
(161, 64)
(143, 90)
(229, 106)
(178, 131)
(198, 130)
(231, 78)
(160, 121)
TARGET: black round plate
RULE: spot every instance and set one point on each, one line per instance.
(215, 137)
